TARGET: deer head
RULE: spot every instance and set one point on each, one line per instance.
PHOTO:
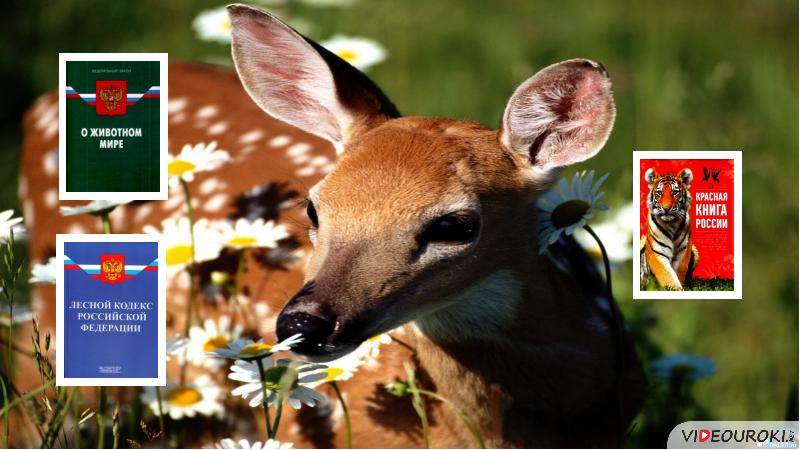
(416, 208)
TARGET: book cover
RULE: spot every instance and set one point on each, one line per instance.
(688, 239)
(112, 124)
(111, 310)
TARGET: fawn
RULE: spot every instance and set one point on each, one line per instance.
(425, 226)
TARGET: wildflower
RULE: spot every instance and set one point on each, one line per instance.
(213, 25)
(211, 336)
(271, 444)
(245, 234)
(97, 208)
(283, 378)
(9, 223)
(200, 396)
(193, 159)
(359, 52)
(175, 345)
(19, 314)
(615, 233)
(249, 350)
(44, 273)
(342, 369)
(179, 243)
(683, 366)
(568, 208)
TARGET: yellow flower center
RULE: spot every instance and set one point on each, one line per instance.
(184, 396)
(374, 338)
(179, 167)
(215, 343)
(225, 25)
(347, 55)
(333, 373)
(242, 241)
(179, 254)
(254, 349)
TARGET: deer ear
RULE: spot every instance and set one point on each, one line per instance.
(686, 176)
(560, 116)
(299, 82)
(650, 176)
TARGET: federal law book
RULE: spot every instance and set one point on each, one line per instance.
(688, 239)
(110, 310)
(112, 126)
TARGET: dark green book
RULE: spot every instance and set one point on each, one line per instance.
(112, 140)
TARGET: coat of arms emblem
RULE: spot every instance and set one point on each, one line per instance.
(111, 97)
(112, 268)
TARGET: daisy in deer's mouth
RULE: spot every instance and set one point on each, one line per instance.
(246, 234)
(179, 243)
(212, 336)
(249, 350)
(361, 53)
(193, 159)
(200, 396)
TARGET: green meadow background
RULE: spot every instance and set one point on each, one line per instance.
(687, 75)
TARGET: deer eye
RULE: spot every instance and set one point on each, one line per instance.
(455, 228)
(311, 211)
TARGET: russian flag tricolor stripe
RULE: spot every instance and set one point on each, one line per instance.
(91, 100)
(94, 269)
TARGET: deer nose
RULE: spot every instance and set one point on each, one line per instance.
(315, 330)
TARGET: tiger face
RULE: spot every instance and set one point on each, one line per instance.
(669, 198)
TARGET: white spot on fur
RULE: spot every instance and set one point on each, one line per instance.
(328, 168)
(51, 198)
(298, 149)
(172, 202)
(177, 118)
(27, 206)
(207, 112)
(50, 162)
(306, 171)
(320, 161)
(217, 128)
(215, 203)
(210, 185)
(76, 228)
(177, 104)
(251, 136)
(247, 150)
(142, 212)
(300, 159)
(279, 141)
(22, 186)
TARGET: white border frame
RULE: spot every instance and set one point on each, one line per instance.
(161, 380)
(163, 191)
(736, 294)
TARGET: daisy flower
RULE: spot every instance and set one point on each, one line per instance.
(245, 233)
(683, 365)
(213, 25)
(179, 243)
(8, 223)
(193, 159)
(200, 396)
(44, 273)
(97, 207)
(342, 369)
(271, 444)
(569, 207)
(249, 350)
(615, 233)
(19, 314)
(175, 345)
(359, 52)
(211, 336)
(286, 376)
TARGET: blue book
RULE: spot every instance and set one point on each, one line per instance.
(111, 306)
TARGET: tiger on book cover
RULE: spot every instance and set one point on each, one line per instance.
(666, 251)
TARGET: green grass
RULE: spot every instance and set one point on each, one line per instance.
(697, 284)
(687, 75)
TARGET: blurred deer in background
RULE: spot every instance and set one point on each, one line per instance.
(425, 226)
